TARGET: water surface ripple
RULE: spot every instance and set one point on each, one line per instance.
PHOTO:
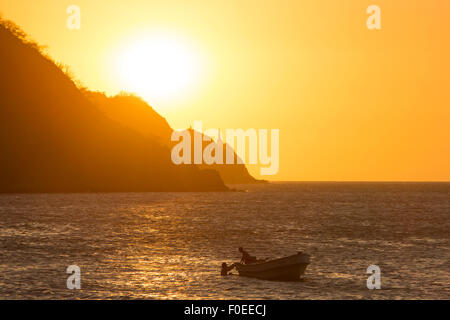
(171, 245)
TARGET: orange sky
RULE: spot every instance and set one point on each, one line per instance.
(350, 103)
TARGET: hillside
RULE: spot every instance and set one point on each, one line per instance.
(53, 139)
(135, 113)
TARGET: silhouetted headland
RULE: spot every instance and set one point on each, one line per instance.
(54, 139)
(133, 112)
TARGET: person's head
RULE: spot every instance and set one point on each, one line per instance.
(224, 265)
(241, 249)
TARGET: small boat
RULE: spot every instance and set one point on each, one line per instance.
(285, 269)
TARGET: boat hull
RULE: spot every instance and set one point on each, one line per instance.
(284, 269)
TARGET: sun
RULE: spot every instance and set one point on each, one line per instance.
(159, 67)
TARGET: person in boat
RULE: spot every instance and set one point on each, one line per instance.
(246, 257)
(226, 268)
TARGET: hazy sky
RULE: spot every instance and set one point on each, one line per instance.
(351, 103)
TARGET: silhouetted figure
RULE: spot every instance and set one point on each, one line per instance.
(226, 268)
(246, 257)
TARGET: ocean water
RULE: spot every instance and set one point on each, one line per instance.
(171, 245)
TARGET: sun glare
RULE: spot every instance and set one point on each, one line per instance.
(159, 68)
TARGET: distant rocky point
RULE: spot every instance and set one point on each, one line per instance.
(133, 112)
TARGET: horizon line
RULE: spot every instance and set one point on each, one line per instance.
(365, 181)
